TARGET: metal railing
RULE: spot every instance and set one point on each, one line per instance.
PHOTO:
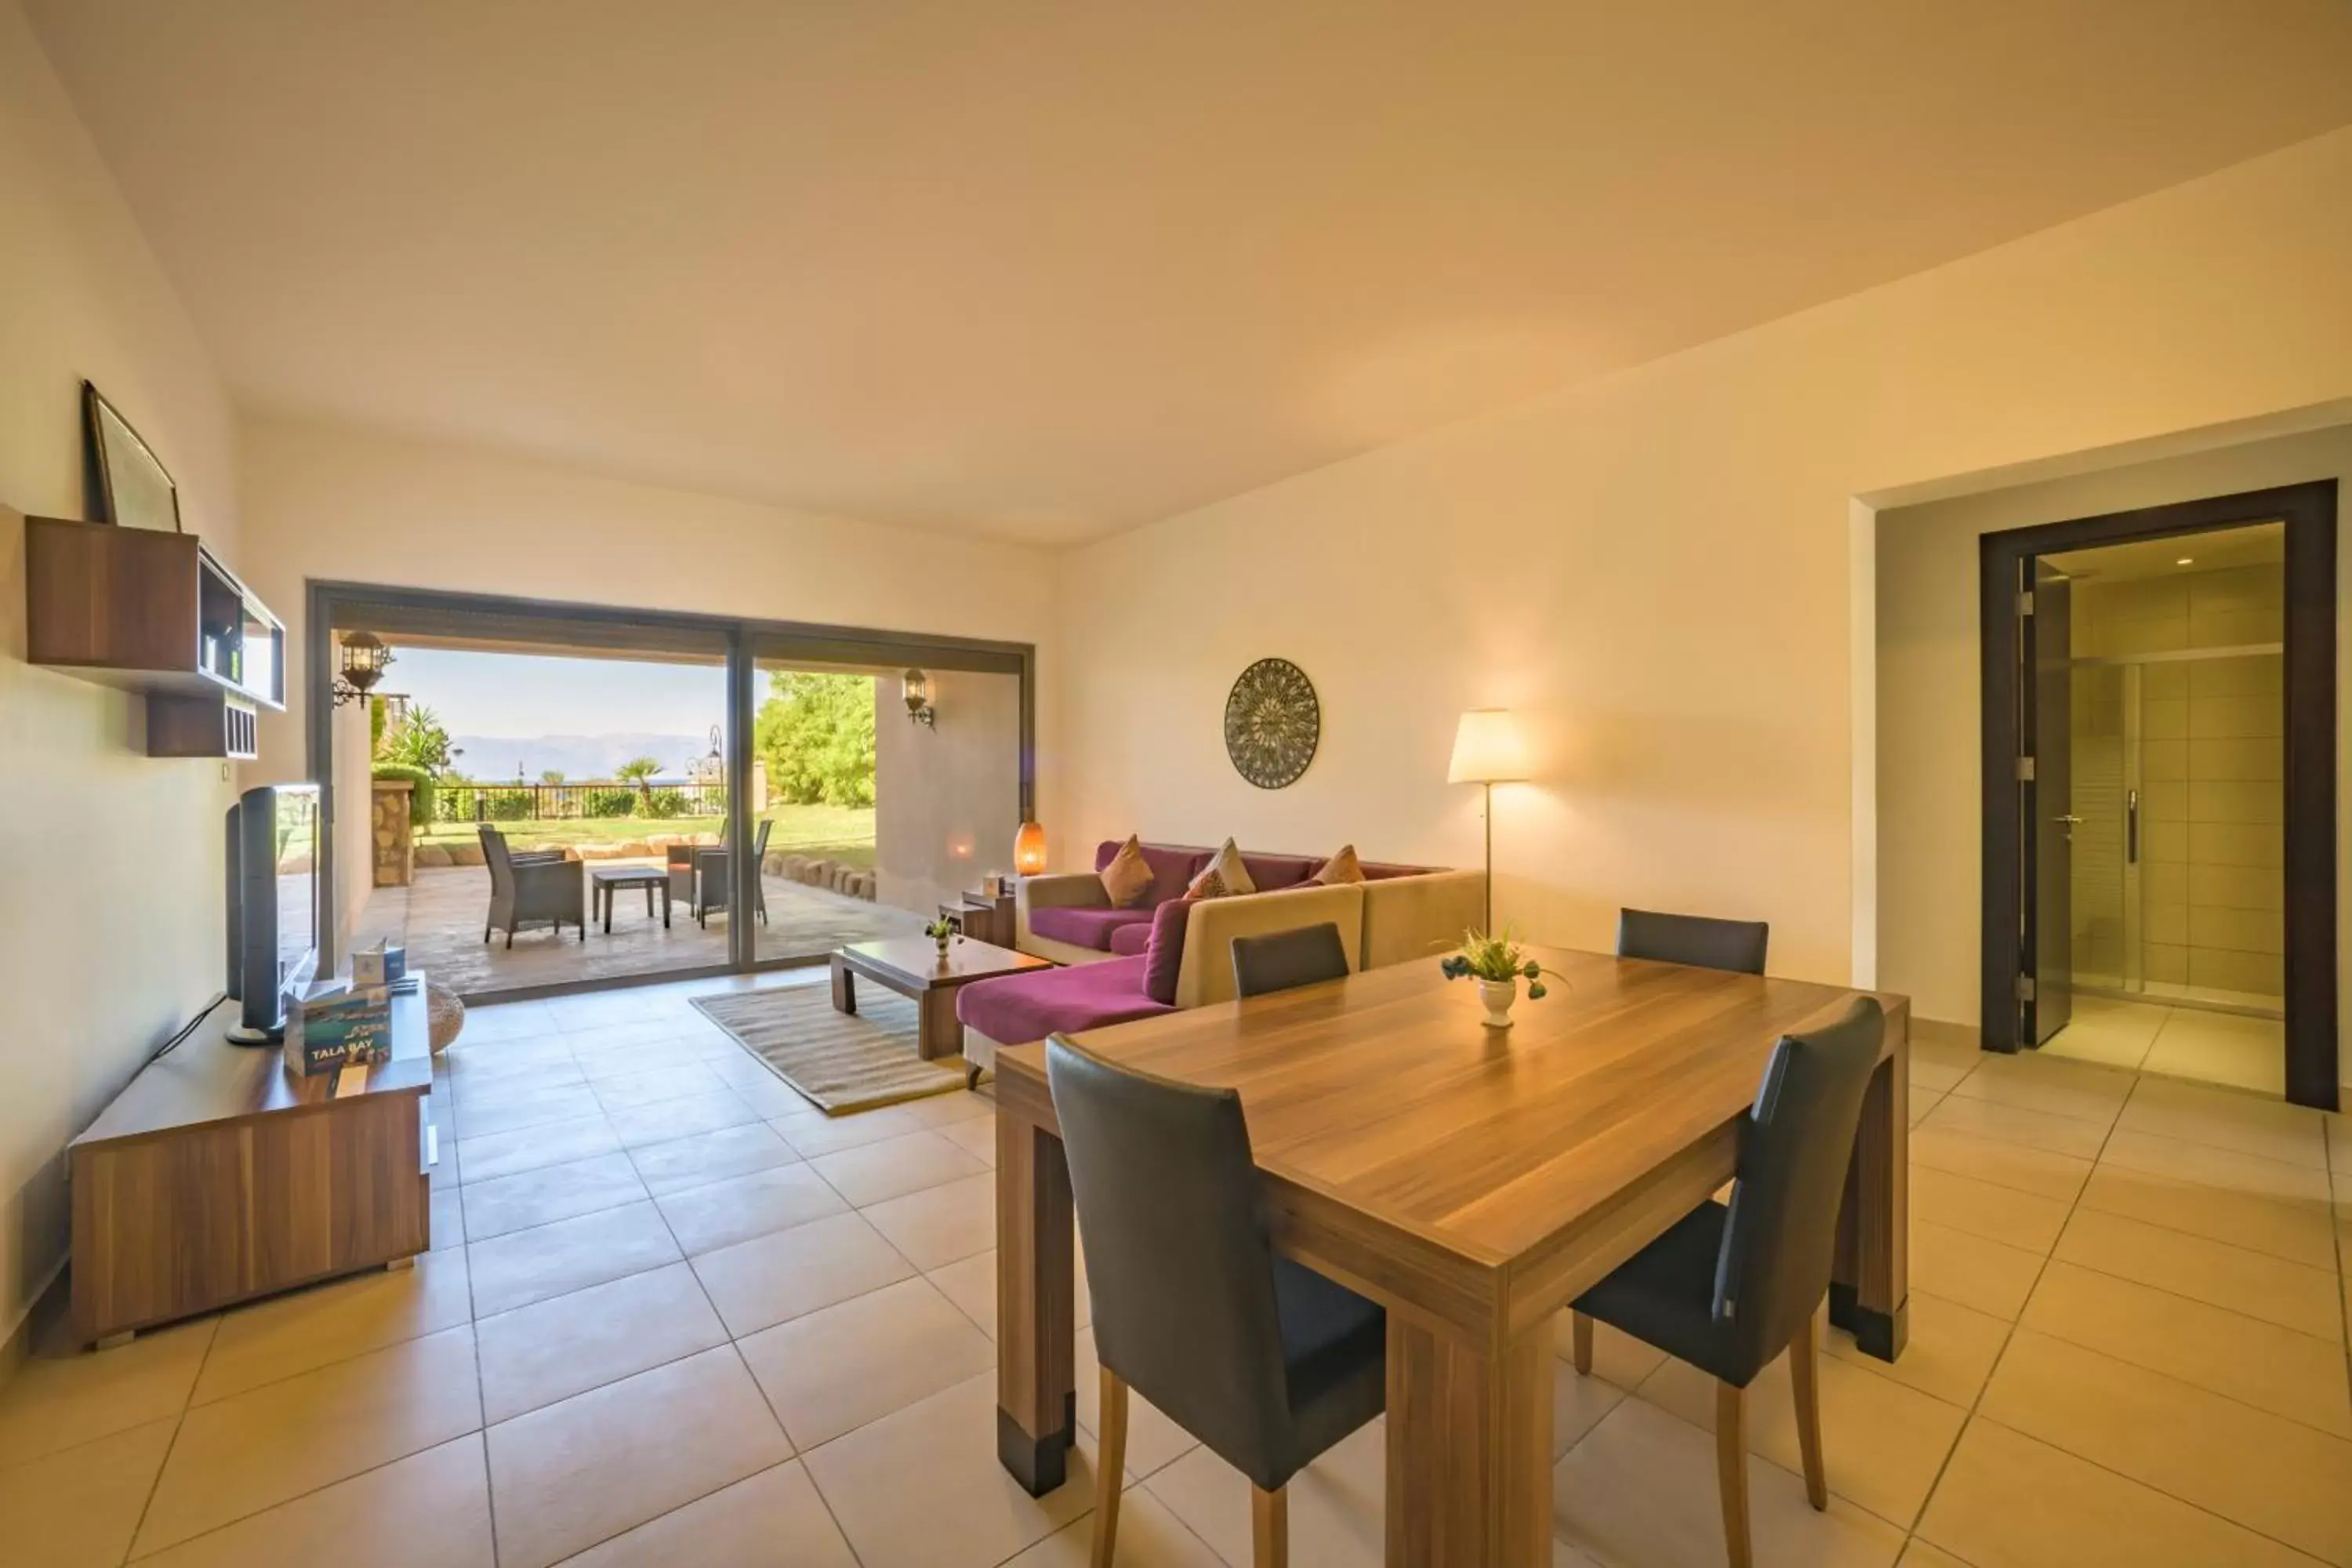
(589, 798)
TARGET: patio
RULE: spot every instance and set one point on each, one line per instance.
(438, 919)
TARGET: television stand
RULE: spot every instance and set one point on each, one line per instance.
(216, 1177)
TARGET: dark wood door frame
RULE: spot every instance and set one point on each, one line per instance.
(2003, 559)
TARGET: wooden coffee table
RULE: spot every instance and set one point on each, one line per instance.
(911, 966)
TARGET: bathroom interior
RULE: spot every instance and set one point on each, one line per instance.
(2176, 662)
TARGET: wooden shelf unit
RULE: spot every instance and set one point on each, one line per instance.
(156, 613)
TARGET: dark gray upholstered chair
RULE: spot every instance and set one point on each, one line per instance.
(1731, 1286)
(1282, 959)
(1267, 1362)
(1694, 940)
(528, 888)
(714, 879)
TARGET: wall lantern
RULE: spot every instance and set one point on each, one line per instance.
(917, 687)
(361, 665)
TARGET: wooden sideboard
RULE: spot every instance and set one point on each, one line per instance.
(217, 1176)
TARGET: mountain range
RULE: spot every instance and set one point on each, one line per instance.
(576, 756)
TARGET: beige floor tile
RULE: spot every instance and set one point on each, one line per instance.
(2287, 1374)
(975, 1136)
(894, 1167)
(2104, 1047)
(813, 1132)
(2296, 1232)
(972, 1514)
(1149, 1536)
(971, 1284)
(1617, 1357)
(834, 1370)
(2220, 1275)
(940, 1225)
(773, 1519)
(773, 1278)
(1578, 1404)
(447, 1219)
(554, 1349)
(254, 1450)
(548, 1194)
(79, 1507)
(2233, 1058)
(2227, 1119)
(666, 1120)
(1980, 1208)
(1882, 1444)
(505, 1021)
(1934, 1074)
(1642, 1489)
(2014, 1124)
(946, 1109)
(721, 1213)
(307, 1328)
(707, 1157)
(2008, 1501)
(2015, 1165)
(1950, 1354)
(765, 1093)
(520, 1102)
(1336, 1503)
(1917, 1554)
(1153, 1441)
(2276, 1477)
(1989, 1276)
(57, 1401)
(433, 1507)
(571, 1475)
(546, 1260)
(2084, 1090)
(528, 1148)
(680, 1080)
(1923, 1100)
(2223, 1170)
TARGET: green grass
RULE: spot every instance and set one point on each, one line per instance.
(843, 833)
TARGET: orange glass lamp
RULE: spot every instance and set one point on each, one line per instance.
(1029, 849)
(1487, 750)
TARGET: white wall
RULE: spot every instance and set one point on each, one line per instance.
(1929, 822)
(111, 935)
(1660, 570)
(947, 797)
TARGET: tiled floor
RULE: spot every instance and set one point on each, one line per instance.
(729, 1331)
(2181, 1042)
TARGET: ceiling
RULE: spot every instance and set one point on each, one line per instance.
(2219, 550)
(1049, 270)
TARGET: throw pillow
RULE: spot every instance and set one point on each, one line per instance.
(1207, 885)
(1127, 878)
(1163, 956)
(1228, 869)
(1341, 868)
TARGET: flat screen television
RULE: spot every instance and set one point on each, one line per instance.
(273, 905)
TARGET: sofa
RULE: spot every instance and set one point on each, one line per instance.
(1165, 953)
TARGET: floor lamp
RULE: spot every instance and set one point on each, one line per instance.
(1487, 750)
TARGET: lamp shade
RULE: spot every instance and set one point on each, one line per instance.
(1487, 748)
(1029, 849)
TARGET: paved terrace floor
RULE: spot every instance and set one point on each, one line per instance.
(439, 920)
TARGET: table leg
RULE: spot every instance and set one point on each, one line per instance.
(649, 901)
(844, 987)
(1870, 1282)
(1037, 1352)
(608, 910)
(666, 897)
(1469, 1482)
(942, 1035)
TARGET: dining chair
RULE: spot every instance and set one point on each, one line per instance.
(1696, 940)
(1266, 1362)
(1280, 960)
(1730, 1286)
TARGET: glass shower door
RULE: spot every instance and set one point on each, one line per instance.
(2104, 802)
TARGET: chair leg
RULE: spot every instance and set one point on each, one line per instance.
(1270, 1528)
(1111, 1466)
(1579, 1334)
(1731, 1471)
(1803, 1375)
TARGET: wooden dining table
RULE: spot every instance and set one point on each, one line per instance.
(1471, 1181)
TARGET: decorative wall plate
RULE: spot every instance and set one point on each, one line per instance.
(1273, 723)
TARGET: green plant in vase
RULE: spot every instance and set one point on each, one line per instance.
(1497, 963)
(943, 930)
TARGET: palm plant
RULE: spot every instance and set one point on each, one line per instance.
(640, 772)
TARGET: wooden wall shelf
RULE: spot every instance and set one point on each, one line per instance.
(157, 614)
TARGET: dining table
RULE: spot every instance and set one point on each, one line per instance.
(1473, 1180)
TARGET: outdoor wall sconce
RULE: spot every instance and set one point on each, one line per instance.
(361, 665)
(917, 687)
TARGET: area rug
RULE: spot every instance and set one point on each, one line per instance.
(842, 1061)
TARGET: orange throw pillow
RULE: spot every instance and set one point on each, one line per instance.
(1127, 878)
(1341, 868)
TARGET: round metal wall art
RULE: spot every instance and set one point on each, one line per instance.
(1273, 723)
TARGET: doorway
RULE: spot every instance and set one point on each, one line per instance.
(2159, 714)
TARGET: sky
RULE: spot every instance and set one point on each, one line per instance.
(525, 695)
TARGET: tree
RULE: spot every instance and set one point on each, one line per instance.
(640, 772)
(550, 776)
(418, 740)
(816, 733)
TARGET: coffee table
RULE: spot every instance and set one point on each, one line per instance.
(604, 881)
(910, 965)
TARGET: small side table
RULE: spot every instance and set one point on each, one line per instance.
(604, 881)
(984, 917)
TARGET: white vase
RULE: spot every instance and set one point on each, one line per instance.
(1498, 995)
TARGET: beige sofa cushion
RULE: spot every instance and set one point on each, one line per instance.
(1207, 975)
(1127, 879)
(1065, 889)
(1407, 918)
(1232, 876)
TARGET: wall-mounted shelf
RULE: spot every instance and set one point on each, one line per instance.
(160, 614)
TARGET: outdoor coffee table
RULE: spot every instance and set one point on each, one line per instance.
(910, 965)
(604, 881)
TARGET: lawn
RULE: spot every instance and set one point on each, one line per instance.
(843, 833)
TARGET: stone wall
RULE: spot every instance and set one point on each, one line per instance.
(388, 830)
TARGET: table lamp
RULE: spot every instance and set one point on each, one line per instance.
(1487, 750)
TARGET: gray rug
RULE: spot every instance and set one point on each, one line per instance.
(842, 1061)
